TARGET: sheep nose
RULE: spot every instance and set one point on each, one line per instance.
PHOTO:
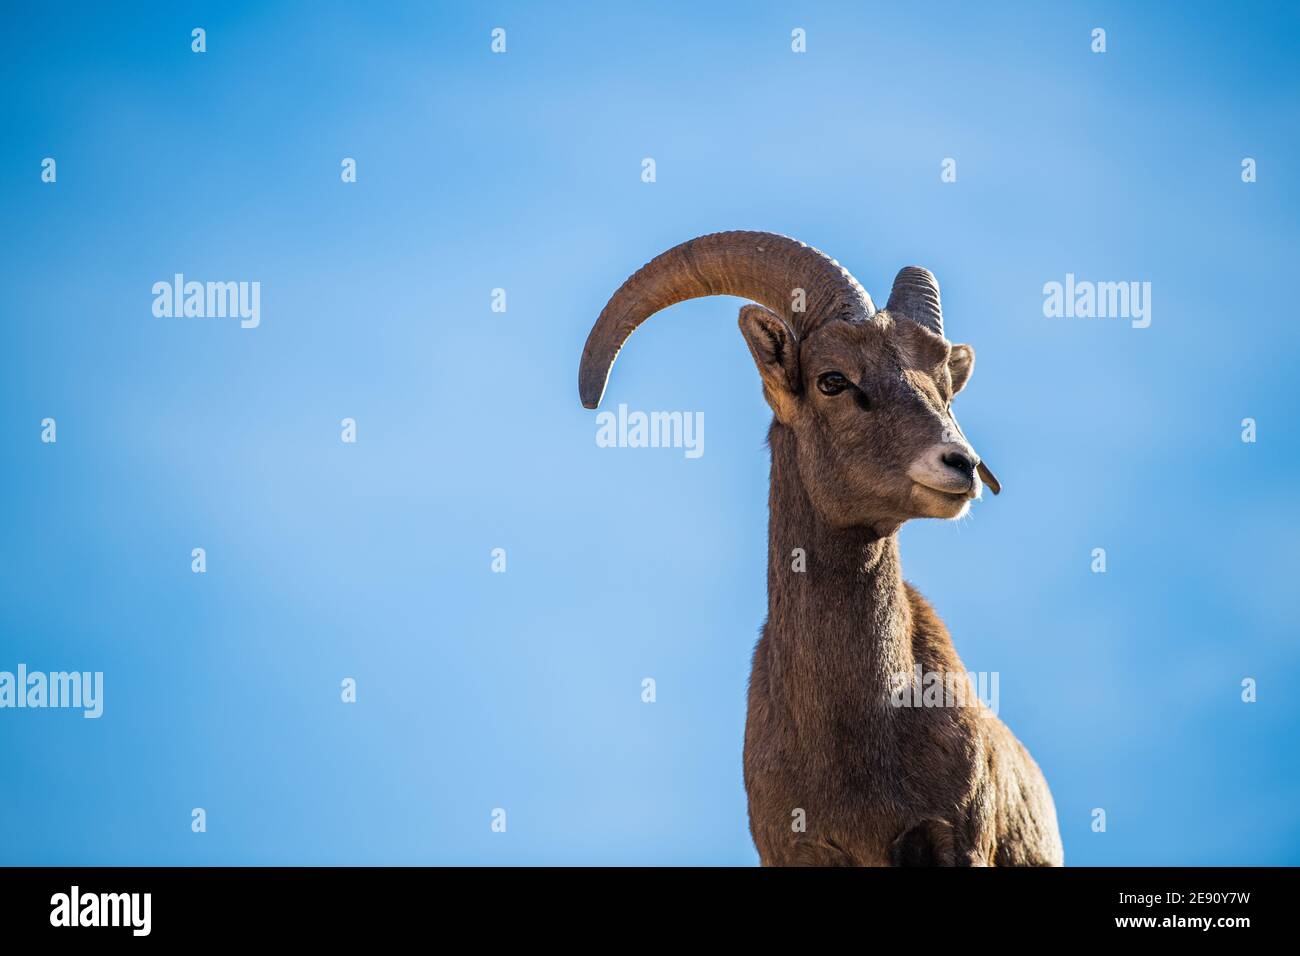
(960, 461)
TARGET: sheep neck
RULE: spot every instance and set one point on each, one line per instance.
(838, 631)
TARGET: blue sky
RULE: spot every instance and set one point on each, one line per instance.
(522, 171)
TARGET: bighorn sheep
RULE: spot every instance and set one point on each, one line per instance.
(862, 439)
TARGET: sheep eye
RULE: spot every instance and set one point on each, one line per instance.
(832, 383)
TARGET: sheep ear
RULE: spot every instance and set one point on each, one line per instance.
(776, 353)
(960, 365)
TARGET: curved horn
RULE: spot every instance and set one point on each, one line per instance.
(760, 266)
(916, 296)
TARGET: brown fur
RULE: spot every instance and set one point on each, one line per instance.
(878, 785)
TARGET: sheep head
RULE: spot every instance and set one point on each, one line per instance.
(867, 393)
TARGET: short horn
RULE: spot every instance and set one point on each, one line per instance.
(760, 266)
(916, 296)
